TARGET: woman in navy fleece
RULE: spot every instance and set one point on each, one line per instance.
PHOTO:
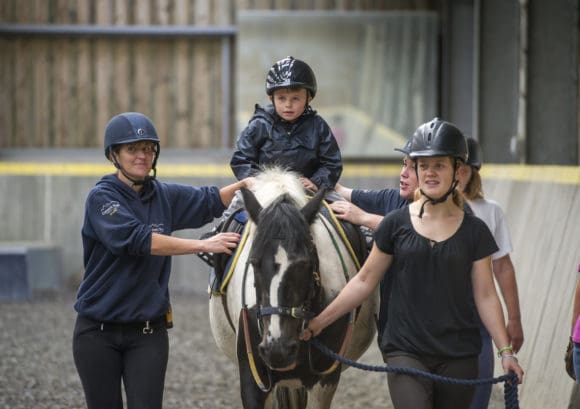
(123, 301)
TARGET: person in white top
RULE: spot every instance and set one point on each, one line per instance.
(503, 269)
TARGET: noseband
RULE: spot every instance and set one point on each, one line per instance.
(294, 312)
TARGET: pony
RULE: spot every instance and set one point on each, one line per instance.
(290, 263)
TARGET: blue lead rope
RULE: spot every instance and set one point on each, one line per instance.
(510, 380)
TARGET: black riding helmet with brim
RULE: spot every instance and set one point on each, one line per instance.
(438, 138)
(130, 127)
(291, 73)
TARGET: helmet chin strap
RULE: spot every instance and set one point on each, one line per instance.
(136, 182)
(436, 201)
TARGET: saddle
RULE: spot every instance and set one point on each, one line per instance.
(351, 234)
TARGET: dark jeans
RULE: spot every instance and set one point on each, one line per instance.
(486, 357)
(576, 360)
(106, 354)
(412, 392)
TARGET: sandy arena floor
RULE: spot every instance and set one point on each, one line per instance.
(37, 369)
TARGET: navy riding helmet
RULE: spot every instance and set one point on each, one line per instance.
(131, 127)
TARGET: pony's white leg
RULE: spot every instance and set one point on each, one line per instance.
(320, 397)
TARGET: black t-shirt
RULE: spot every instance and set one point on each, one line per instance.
(431, 308)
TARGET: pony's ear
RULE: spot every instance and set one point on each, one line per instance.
(251, 204)
(311, 208)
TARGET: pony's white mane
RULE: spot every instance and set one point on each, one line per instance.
(274, 181)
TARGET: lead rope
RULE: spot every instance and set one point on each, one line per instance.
(510, 380)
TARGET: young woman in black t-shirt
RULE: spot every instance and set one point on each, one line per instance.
(439, 258)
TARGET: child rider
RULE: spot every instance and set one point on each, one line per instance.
(286, 133)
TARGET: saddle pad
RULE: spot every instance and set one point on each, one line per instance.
(233, 260)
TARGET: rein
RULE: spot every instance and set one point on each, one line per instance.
(248, 341)
(250, 354)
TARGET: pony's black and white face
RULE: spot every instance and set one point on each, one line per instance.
(283, 283)
(281, 274)
(284, 262)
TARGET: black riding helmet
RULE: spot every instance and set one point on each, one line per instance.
(130, 127)
(475, 158)
(291, 73)
(438, 138)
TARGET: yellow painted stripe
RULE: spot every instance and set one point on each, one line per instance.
(167, 170)
(568, 175)
(95, 169)
(64, 169)
(528, 173)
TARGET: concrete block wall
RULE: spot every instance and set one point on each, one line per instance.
(29, 269)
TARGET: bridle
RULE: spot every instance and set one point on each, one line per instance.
(303, 312)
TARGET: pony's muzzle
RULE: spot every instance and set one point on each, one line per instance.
(279, 355)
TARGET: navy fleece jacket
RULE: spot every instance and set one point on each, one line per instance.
(123, 282)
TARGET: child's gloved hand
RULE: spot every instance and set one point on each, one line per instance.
(307, 183)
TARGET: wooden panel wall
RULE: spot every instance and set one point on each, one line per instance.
(61, 92)
(346, 5)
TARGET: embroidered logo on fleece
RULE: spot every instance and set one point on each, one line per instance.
(109, 209)
(157, 228)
